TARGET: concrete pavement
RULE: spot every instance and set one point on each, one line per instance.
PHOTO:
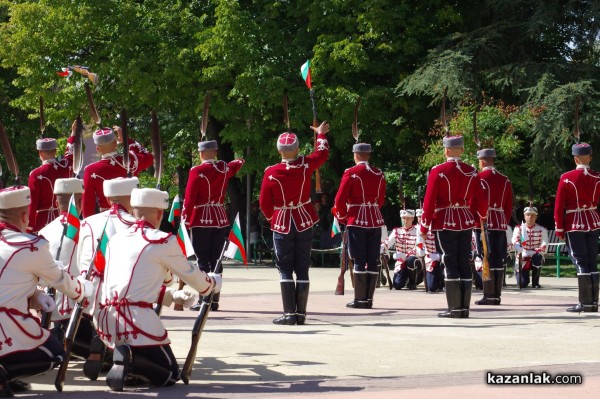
(399, 347)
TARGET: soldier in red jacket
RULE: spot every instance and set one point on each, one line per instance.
(576, 216)
(43, 208)
(499, 196)
(110, 166)
(285, 202)
(454, 198)
(358, 202)
(204, 208)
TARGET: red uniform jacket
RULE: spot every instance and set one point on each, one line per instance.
(360, 196)
(43, 208)
(285, 190)
(111, 167)
(205, 193)
(576, 202)
(499, 196)
(454, 194)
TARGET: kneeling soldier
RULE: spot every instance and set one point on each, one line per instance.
(27, 349)
(138, 261)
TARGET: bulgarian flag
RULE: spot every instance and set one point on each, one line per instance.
(305, 71)
(73, 222)
(175, 210)
(65, 72)
(183, 239)
(335, 227)
(236, 249)
(100, 258)
(524, 237)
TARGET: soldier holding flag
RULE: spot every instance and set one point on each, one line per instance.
(27, 348)
(531, 241)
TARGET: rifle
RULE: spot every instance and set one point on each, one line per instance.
(339, 289)
(85, 71)
(486, 264)
(385, 259)
(73, 326)
(93, 111)
(315, 121)
(42, 119)
(186, 372)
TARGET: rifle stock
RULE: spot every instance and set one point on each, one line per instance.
(186, 371)
(339, 289)
(486, 264)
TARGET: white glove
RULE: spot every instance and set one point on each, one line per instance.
(43, 302)
(88, 286)
(518, 247)
(478, 264)
(218, 279)
(382, 248)
(60, 264)
(397, 269)
(399, 256)
(184, 297)
(529, 253)
(434, 256)
(48, 304)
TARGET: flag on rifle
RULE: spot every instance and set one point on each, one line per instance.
(335, 227)
(305, 71)
(184, 241)
(100, 258)
(524, 237)
(65, 72)
(73, 223)
(175, 210)
(236, 249)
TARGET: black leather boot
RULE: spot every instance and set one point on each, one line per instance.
(489, 291)
(465, 301)
(535, 277)
(151, 372)
(371, 285)
(288, 296)
(93, 363)
(595, 287)
(214, 306)
(5, 389)
(360, 292)
(453, 297)
(586, 296)
(122, 362)
(302, 289)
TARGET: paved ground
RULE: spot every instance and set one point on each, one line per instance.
(399, 347)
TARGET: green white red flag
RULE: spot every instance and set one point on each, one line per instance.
(100, 257)
(335, 227)
(184, 241)
(305, 71)
(73, 222)
(236, 249)
(175, 210)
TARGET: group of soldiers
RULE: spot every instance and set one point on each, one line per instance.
(120, 266)
(117, 267)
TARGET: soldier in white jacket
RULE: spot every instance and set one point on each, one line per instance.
(61, 245)
(140, 260)
(26, 349)
(530, 240)
(89, 255)
(408, 271)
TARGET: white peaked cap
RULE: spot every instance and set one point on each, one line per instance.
(15, 197)
(120, 187)
(68, 186)
(149, 198)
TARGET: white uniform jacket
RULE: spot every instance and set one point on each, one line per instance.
(53, 233)
(89, 236)
(24, 260)
(138, 262)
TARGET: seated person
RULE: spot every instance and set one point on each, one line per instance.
(408, 271)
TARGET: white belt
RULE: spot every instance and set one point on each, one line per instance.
(300, 205)
(203, 205)
(591, 208)
(52, 209)
(496, 209)
(371, 205)
(452, 207)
